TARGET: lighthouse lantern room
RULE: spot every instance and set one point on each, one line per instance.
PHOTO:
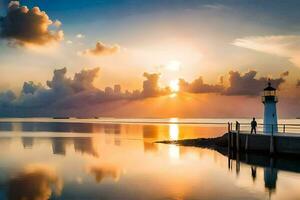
(269, 99)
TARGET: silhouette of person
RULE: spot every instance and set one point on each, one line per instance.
(253, 126)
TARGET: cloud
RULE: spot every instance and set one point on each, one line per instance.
(282, 45)
(101, 49)
(62, 95)
(151, 86)
(30, 87)
(62, 92)
(23, 26)
(239, 84)
(36, 182)
(82, 81)
(247, 84)
(57, 23)
(7, 97)
(198, 86)
(216, 7)
(79, 36)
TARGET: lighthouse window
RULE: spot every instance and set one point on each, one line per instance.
(270, 93)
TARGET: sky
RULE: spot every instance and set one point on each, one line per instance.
(159, 58)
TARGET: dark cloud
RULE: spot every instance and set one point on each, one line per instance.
(23, 26)
(247, 84)
(198, 86)
(66, 92)
(84, 80)
(7, 97)
(101, 49)
(30, 87)
(239, 84)
(62, 95)
(151, 86)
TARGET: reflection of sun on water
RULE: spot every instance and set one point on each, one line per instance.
(173, 131)
(173, 135)
(174, 152)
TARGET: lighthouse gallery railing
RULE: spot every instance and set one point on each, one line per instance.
(282, 128)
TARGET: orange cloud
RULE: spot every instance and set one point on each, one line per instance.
(101, 49)
(23, 26)
(151, 86)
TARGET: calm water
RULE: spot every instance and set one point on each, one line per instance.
(116, 159)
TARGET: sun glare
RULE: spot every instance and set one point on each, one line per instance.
(174, 86)
(173, 65)
(174, 153)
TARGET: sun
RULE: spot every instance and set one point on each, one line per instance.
(174, 86)
(173, 65)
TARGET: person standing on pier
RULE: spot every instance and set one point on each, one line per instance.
(253, 126)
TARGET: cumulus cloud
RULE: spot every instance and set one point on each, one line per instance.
(282, 45)
(63, 94)
(247, 84)
(101, 49)
(24, 26)
(198, 86)
(151, 86)
(30, 87)
(82, 81)
(7, 97)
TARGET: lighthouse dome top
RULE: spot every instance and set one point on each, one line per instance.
(269, 87)
(269, 95)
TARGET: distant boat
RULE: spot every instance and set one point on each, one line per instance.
(61, 117)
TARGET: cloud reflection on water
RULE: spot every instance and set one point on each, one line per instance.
(101, 172)
(35, 182)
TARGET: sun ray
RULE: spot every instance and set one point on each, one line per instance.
(174, 86)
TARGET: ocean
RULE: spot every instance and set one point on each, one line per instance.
(110, 158)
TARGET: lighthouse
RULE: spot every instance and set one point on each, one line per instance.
(269, 99)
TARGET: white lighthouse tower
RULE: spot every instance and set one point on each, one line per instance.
(269, 100)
